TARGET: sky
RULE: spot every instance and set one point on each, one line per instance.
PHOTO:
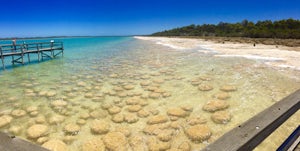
(33, 18)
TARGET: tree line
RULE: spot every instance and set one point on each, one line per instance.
(285, 29)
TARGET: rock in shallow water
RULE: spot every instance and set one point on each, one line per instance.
(36, 131)
(215, 105)
(157, 119)
(18, 113)
(205, 87)
(228, 88)
(222, 96)
(72, 129)
(178, 112)
(198, 133)
(100, 126)
(221, 117)
(115, 141)
(5, 120)
(95, 144)
(55, 145)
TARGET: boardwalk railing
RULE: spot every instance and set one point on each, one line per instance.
(251, 133)
(43, 49)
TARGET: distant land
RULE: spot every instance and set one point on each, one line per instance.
(48, 37)
(282, 29)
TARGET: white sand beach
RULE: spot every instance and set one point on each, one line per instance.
(279, 57)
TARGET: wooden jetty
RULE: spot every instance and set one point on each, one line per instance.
(251, 133)
(17, 52)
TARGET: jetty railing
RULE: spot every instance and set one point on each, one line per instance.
(17, 52)
(251, 133)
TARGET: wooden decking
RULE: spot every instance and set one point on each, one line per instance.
(19, 51)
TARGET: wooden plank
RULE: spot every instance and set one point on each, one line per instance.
(11, 143)
(251, 133)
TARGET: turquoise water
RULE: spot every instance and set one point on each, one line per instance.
(148, 96)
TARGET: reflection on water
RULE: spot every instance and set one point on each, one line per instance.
(145, 96)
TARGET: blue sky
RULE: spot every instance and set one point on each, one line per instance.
(27, 18)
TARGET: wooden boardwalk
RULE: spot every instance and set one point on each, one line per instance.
(19, 51)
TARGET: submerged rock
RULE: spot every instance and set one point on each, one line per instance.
(130, 118)
(59, 103)
(18, 113)
(132, 101)
(155, 145)
(165, 135)
(56, 119)
(72, 129)
(40, 119)
(195, 120)
(159, 81)
(157, 119)
(188, 108)
(178, 112)
(222, 96)
(143, 113)
(215, 105)
(42, 140)
(204, 87)
(31, 108)
(137, 143)
(221, 117)
(98, 114)
(185, 146)
(118, 118)
(81, 122)
(198, 133)
(134, 108)
(5, 120)
(36, 131)
(166, 94)
(84, 116)
(100, 126)
(94, 144)
(124, 130)
(15, 130)
(154, 95)
(128, 87)
(205, 78)
(145, 83)
(55, 145)
(115, 141)
(69, 139)
(51, 93)
(114, 110)
(228, 88)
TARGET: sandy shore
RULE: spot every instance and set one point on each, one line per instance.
(276, 56)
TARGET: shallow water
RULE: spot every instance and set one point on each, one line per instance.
(94, 74)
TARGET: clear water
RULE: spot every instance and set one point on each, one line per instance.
(95, 71)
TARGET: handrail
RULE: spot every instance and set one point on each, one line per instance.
(32, 43)
(19, 47)
(251, 133)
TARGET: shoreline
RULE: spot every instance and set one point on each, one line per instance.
(273, 55)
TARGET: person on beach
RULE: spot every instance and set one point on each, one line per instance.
(14, 42)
